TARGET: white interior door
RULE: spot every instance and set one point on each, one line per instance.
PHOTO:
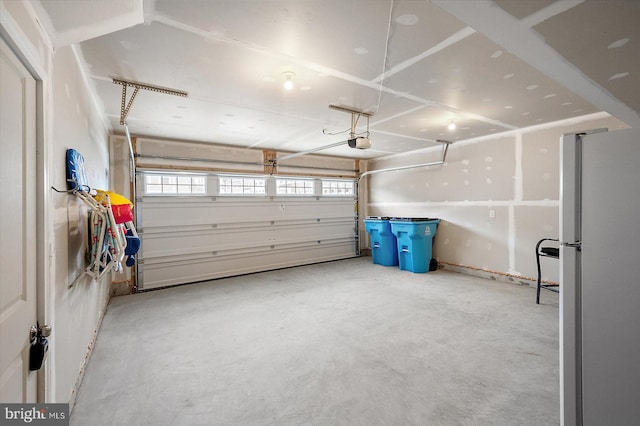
(17, 227)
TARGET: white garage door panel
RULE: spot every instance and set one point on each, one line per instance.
(177, 241)
(180, 211)
(195, 238)
(249, 253)
(162, 272)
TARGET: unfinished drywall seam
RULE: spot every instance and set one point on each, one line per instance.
(95, 100)
(517, 197)
(518, 181)
(148, 11)
(480, 203)
(45, 27)
(502, 135)
(415, 138)
(400, 114)
(512, 240)
(449, 41)
(549, 12)
(108, 25)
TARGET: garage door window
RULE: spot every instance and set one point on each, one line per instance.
(337, 187)
(242, 186)
(294, 187)
(174, 185)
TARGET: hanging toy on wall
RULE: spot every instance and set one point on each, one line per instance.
(133, 243)
(122, 210)
(112, 232)
(121, 207)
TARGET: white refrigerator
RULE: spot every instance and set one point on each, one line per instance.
(600, 278)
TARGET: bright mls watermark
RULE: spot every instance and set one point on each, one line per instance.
(35, 414)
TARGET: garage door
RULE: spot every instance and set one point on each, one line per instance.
(200, 226)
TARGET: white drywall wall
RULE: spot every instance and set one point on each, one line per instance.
(73, 304)
(80, 301)
(513, 177)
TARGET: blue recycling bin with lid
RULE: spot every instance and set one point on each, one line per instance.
(384, 249)
(414, 242)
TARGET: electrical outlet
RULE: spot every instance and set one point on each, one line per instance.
(492, 214)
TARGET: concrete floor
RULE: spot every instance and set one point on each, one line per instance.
(339, 343)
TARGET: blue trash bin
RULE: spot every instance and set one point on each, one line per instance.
(384, 249)
(415, 239)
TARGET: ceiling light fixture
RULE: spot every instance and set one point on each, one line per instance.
(451, 125)
(288, 80)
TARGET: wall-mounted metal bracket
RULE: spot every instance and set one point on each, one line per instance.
(445, 149)
(124, 110)
(350, 110)
(355, 116)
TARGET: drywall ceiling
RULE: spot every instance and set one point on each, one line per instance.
(415, 65)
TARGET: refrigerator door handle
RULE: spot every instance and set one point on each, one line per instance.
(576, 244)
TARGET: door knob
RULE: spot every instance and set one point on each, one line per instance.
(39, 345)
(45, 330)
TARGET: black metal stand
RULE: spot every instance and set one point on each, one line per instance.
(551, 252)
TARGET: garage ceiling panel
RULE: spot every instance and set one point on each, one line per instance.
(305, 30)
(606, 49)
(414, 21)
(498, 85)
(397, 59)
(523, 8)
